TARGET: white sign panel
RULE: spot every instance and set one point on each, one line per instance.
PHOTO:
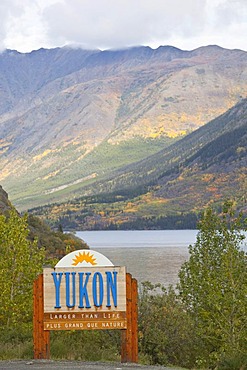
(84, 291)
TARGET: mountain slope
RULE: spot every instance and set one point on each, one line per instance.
(5, 204)
(207, 166)
(201, 145)
(69, 116)
(56, 244)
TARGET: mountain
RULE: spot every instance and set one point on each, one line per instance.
(69, 117)
(171, 188)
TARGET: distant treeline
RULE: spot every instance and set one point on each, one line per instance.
(188, 221)
(185, 221)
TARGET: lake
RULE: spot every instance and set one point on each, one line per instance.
(149, 255)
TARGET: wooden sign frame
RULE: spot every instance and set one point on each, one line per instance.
(129, 336)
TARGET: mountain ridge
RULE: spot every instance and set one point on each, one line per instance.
(204, 136)
(170, 188)
(82, 105)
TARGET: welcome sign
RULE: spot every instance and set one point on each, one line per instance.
(84, 292)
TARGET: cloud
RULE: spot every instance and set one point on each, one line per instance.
(22, 25)
(7, 9)
(31, 24)
(111, 23)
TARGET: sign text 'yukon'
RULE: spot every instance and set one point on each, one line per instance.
(84, 298)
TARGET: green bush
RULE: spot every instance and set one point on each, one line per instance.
(238, 362)
(165, 328)
(86, 345)
(16, 343)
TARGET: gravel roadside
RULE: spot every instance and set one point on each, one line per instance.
(72, 365)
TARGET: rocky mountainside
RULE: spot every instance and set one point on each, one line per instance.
(170, 188)
(69, 117)
(5, 204)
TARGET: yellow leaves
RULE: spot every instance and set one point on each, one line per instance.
(163, 125)
(173, 134)
(42, 155)
(52, 174)
(212, 189)
(154, 135)
(5, 173)
(208, 177)
(130, 208)
(56, 210)
(240, 149)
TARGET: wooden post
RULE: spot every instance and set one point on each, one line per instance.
(129, 336)
(41, 338)
(126, 350)
(35, 319)
(134, 320)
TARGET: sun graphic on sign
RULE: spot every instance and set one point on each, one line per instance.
(81, 257)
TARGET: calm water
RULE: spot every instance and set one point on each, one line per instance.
(150, 255)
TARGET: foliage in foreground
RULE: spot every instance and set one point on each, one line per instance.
(200, 325)
(165, 329)
(204, 323)
(21, 260)
(213, 287)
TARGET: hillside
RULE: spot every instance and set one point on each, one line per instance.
(56, 243)
(170, 188)
(69, 117)
(5, 204)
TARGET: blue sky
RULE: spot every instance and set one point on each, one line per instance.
(27, 25)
